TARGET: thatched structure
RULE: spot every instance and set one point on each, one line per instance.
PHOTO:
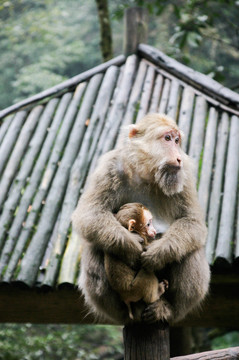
(51, 142)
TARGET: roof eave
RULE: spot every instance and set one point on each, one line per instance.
(196, 79)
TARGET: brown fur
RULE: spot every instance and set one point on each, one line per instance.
(132, 285)
(140, 171)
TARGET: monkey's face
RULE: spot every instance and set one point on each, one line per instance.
(157, 149)
(169, 173)
(148, 224)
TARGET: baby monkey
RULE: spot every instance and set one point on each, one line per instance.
(134, 285)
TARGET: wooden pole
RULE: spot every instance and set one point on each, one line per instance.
(146, 342)
(135, 29)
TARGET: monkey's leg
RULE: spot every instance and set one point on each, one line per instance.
(119, 274)
(162, 287)
(99, 295)
(189, 283)
(146, 286)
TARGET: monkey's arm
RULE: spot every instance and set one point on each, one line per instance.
(93, 218)
(186, 234)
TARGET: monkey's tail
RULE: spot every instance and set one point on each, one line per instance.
(131, 316)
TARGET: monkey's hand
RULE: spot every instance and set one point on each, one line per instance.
(160, 310)
(153, 258)
(131, 252)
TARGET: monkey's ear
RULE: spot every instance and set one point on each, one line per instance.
(131, 224)
(132, 131)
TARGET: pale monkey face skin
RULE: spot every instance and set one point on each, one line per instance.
(148, 224)
(143, 226)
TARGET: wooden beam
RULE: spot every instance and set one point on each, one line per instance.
(198, 80)
(221, 307)
(42, 306)
(66, 305)
(224, 354)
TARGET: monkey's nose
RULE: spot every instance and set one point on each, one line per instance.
(179, 160)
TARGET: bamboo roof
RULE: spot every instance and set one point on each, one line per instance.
(51, 142)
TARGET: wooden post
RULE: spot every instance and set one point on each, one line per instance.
(135, 29)
(146, 342)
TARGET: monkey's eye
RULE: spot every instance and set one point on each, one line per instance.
(167, 137)
(177, 140)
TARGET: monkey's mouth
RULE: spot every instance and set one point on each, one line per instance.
(169, 168)
(169, 178)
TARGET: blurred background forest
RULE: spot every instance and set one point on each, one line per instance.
(45, 42)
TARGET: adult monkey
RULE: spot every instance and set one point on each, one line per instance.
(148, 167)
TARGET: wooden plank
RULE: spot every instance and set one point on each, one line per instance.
(223, 354)
(42, 307)
(158, 84)
(115, 117)
(146, 93)
(198, 129)
(216, 194)
(226, 228)
(10, 137)
(98, 140)
(237, 237)
(4, 125)
(27, 164)
(66, 305)
(46, 257)
(18, 152)
(172, 107)
(220, 308)
(20, 229)
(66, 85)
(146, 342)
(24, 205)
(135, 94)
(70, 263)
(79, 172)
(131, 111)
(30, 265)
(185, 115)
(165, 95)
(207, 163)
(95, 148)
(190, 76)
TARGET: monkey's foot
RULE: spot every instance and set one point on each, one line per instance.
(160, 310)
(163, 286)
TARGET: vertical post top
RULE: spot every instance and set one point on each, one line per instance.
(135, 29)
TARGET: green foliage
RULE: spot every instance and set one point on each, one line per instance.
(43, 43)
(59, 342)
(200, 33)
(225, 341)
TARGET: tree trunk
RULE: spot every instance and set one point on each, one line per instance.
(105, 29)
